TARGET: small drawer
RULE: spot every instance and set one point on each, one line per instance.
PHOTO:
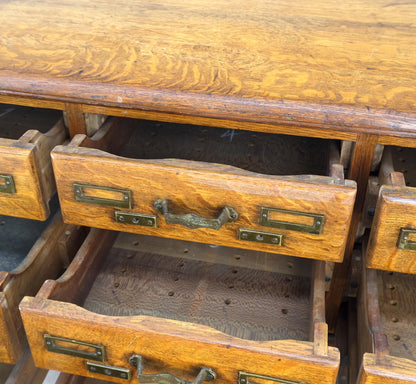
(182, 182)
(392, 244)
(133, 310)
(387, 327)
(27, 183)
(30, 252)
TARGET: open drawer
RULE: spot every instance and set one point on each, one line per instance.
(26, 176)
(392, 244)
(29, 254)
(183, 182)
(134, 308)
(387, 327)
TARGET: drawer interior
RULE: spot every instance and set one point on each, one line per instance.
(16, 120)
(209, 286)
(397, 292)
(404, 161)
(253, 151)
(18, 235)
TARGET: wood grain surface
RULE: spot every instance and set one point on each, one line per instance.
(303, 64)
(178, 347)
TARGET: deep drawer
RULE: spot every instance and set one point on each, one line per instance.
(392, 244)
(29, 256)
(26, 176)
(387, 328)
(182, 314)
(176, 188)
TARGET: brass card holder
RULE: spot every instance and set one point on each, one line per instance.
(404, 241)
(245, 378)
(126, 200)
(316, 227)
(7, 184)
(97, 353)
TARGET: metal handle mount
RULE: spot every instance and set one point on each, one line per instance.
(206, 374)
(193, 221)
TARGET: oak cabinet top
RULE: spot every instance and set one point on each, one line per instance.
(317, 62)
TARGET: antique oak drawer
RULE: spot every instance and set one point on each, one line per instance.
(136, 311)
(233, 188)
(26, 177)
(392, 244)
(387, 327)
(30, 252)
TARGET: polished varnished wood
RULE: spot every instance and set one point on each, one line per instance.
(67, 307)
(275, 62)
(396, 209)
(42, 262)
(27, 160)
(201, 186)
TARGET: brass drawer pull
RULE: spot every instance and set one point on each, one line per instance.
(315, 227)
(97, 354)
(7, 184)
(125, 200)
(193, 221)
(206, 374)
(404, 242)
(244, 378)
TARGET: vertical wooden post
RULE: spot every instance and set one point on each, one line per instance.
(75, 119)
(360, 171)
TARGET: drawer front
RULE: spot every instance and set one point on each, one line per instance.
(20, 190)
(68, 338)
(26, 177)
(209, 203)
(386, 370)
(392, 244)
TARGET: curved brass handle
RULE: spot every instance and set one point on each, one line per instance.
(206, 374)
(193, 221)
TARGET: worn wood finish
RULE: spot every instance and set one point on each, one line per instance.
(25, 371)
(387, 327)
(269, 61)
(42, 262)
(205, 189)
(28, 161)
(175, 346)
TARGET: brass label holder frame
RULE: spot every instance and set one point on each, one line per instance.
(125, 202)
(404, 242)
(8, 186)
(260, 237)
(136, 219)
(316, 227)
(109, 370)
(51, 346)
(244, 378)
